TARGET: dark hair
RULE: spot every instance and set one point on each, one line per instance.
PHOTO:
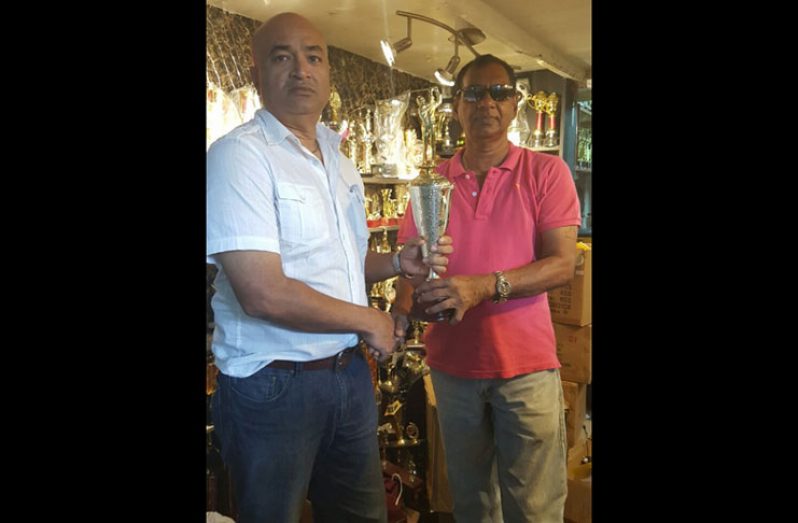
(480, 61)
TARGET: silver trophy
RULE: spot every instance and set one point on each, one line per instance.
(388, 134)
(430, 192)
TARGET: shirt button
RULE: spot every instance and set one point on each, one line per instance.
(468, 176)
(474, 194)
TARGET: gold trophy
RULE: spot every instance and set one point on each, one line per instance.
(430, 192)
(388, 208)
(335, 109)
(551, 110)
(366, 140)
(540, 102)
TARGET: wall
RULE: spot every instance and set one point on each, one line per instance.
(358, 80)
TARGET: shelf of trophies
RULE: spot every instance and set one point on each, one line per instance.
(543, 138)
(402, 426)
(385, 205)
(544, 149)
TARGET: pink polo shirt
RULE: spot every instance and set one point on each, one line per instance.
(496, 229)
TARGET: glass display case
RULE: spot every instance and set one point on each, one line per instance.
(583, 166)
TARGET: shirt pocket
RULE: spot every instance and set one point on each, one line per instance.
(357, 213)
(302, 214)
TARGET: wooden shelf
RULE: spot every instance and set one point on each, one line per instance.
(384, 227)
(381, 180)
(545, 149)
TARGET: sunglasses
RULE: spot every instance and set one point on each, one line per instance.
(499, 92)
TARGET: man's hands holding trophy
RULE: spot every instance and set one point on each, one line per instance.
(416, 260)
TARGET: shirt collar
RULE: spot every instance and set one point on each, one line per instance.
(275, 132)
(509, 163)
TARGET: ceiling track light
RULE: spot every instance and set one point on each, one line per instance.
(391, 50)
(446, 76)
(466, 37)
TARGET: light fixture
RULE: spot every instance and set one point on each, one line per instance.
(390, 51)
(446, 76)
(467, 37)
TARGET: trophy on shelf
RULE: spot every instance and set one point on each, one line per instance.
(373, 210)
(402, 198)
(366, 139)
(430, 192)
(551, 110)
(540, 102)
(443, 139)
(416, 330)
(388, 208)
(351, 142)
(583, 149)
(413, 153)
(335, 110)
(388, 134)
(395, 378)
(519, 131)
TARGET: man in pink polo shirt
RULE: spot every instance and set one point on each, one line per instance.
(513, 215)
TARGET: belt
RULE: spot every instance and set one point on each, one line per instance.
(336, 361)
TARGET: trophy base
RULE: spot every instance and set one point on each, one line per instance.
(384, 170)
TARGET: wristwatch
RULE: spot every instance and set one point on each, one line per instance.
(397, 267)
(503, 288)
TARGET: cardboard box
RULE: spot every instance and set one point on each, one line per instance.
(575, 352)
(577, 469)
(579, 503)
(575, 405)
(571, 303)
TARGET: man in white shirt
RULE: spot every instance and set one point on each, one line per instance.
(294, 409)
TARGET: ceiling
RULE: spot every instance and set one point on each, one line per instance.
(530, 35)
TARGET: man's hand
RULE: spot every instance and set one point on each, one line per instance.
(412, 262)
(460, 293)
(400, 323)
(379, 337)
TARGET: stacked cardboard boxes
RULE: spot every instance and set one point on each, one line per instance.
(571, 314)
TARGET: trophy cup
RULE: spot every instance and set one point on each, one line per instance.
(443, 140)
(540, 102)
(519, 131)
(430, 192)
(551, 110)
(387, 122)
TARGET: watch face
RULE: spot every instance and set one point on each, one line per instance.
(503, 286)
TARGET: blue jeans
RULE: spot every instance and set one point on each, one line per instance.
(512, 430)
(290, 434)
